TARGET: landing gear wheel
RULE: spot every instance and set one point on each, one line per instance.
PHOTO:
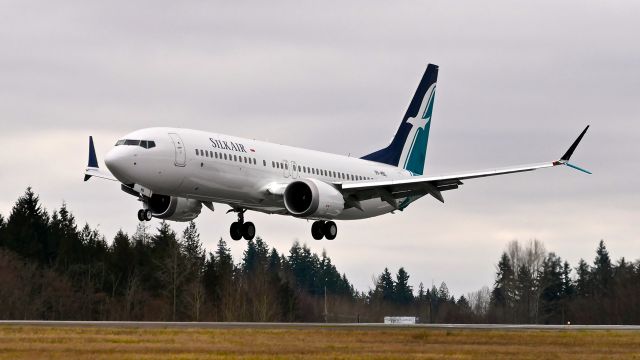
(141, 215)
(236, 231)
(330, 230)
(248, 231)
(148, 215)
(316, 230)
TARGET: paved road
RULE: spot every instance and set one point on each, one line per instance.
(240, 325)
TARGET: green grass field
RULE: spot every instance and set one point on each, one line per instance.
(36, 342)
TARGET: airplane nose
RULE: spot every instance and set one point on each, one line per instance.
(117, 161)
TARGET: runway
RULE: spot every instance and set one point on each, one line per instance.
(262, 325)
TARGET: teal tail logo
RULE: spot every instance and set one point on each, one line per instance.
(414, 151)
(408, 149)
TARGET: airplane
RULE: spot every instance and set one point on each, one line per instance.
(175, 171)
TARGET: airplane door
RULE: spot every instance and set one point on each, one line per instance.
(286, 170)
(181, 154)
(294, 170)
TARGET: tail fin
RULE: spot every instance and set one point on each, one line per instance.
(408, 149)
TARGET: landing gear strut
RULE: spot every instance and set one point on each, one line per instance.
(327, 229)
(241, 229)
(145, 215)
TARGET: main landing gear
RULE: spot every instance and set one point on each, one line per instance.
(145, 215)
(241, 229)
(327, 229)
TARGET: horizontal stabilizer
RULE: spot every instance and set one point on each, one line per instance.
(92, 165)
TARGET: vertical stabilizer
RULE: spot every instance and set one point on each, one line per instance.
(408, 149)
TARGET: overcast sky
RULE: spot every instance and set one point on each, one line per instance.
(518, 81)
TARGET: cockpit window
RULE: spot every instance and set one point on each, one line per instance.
(147, 144)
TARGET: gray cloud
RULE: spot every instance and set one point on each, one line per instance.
(517, 83)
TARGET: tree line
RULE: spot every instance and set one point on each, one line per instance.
(51, 268)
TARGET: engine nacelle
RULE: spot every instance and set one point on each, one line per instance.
(313, 198)
(174, 208)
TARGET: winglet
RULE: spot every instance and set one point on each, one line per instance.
(93, 159)
(573, 146)
(564, 160)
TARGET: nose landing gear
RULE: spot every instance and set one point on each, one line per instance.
(327, 229)
(145, 215)
(241, 229)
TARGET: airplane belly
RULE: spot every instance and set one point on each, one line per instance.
(370, 208)
(223, 183)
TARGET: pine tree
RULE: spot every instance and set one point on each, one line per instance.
(3, 226)
(171, 268)
(65, 231)
(26, 230)
(463, 305)
(120, 265)
(503, 293)
(551, 283)
(192, 247)
(194, 261)
(602, 271)
(568, 288)
(385, 286)
(583, 282)
(525, 293)
(403, 293)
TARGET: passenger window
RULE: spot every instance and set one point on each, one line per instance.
(197, 153)
(225, 156)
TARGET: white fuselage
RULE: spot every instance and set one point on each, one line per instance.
(240, 172)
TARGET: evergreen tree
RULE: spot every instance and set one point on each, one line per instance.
(551, 283)
(3, 227)
(121, 267)
(192, 247)
(503, 293)
(402, 290)
(64, 233)
(385, 287)
(602, 271)
(525, 294)
(194, 257)
(26, 231)
(463, 305)
(583, 281)
(568, 288)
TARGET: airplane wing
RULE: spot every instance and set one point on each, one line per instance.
(92, 167)
(392, 190)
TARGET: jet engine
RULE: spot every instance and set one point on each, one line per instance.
(313, 198)
(174, 208)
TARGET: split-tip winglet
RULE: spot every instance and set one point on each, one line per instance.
(564, 160)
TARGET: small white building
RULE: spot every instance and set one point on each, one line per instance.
(404, 320)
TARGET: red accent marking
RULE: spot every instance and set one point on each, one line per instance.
(252, 150)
